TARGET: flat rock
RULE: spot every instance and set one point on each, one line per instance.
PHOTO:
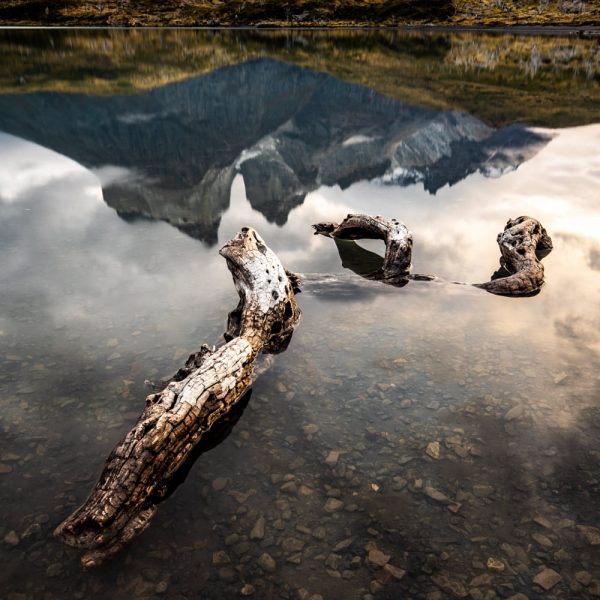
(485, 579)
(495, 564)
(346, 543)
(220, 558)
(591, 534)
(292, 545)
(267, 563)
(11, 538)
(452, 586)
(377, 557)
(483, 490)
(258, 531)
(542, 522)
(514, 413)
(332, 505)
(394, 572)
(436, 495)
(547, 578)
(583, 577)
(332, 458)
(434, 450)
(542, 540)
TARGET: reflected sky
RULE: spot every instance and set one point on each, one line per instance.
(92, 302)
(75, 260)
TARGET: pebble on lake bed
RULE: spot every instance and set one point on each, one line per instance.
(258, 531)
(267, 563)
(11, 538)
(547, 578)
(333, 504)
(378, 558)
(495, 564)
(591, 534)
(434, 450)
(332, 458)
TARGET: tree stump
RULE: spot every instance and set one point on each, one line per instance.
(141, 470)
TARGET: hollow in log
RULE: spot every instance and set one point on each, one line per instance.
(523, 243)
(140, 471)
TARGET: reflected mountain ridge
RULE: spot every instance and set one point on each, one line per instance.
(286, 129)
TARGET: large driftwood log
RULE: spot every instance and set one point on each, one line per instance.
(523, 243)
(141, 470)
(398, 242)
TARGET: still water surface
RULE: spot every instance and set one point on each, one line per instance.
(112, 209)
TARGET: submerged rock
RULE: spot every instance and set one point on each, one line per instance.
(591, 534)
(434, 450)
(547, 578)
(258, 531)
(267, 563)
(378, 558)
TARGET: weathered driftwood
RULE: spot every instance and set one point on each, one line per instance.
(142, 469)
(398, 242)
(523, 243)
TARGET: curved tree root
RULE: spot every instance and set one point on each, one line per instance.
(398, 242)
(142, 469)
(523, 243)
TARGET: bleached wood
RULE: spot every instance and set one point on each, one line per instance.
(523, 243)
(140, 471)
(398, 241)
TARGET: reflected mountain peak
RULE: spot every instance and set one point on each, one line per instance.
(286, 129)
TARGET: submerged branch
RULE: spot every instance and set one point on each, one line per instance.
(523, 243)
(192, 405)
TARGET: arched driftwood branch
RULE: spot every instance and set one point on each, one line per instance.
(397, 238)
(523, 243)
(140, 471)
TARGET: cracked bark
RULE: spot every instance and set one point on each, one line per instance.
(523, 243)
(144, 466)
(398, 243)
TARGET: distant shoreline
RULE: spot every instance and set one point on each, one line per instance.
(558, 30)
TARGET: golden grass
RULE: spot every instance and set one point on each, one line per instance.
(297, 12)
(499, 78)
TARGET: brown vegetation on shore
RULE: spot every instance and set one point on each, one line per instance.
(304, 13)
(498, 78)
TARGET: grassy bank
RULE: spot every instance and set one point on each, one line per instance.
(298, 12)
(499, 78)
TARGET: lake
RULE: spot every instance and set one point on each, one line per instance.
(427, 441)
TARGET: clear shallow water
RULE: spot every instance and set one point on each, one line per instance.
(110, 275)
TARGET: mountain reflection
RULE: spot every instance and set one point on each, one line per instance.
(287, 130)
